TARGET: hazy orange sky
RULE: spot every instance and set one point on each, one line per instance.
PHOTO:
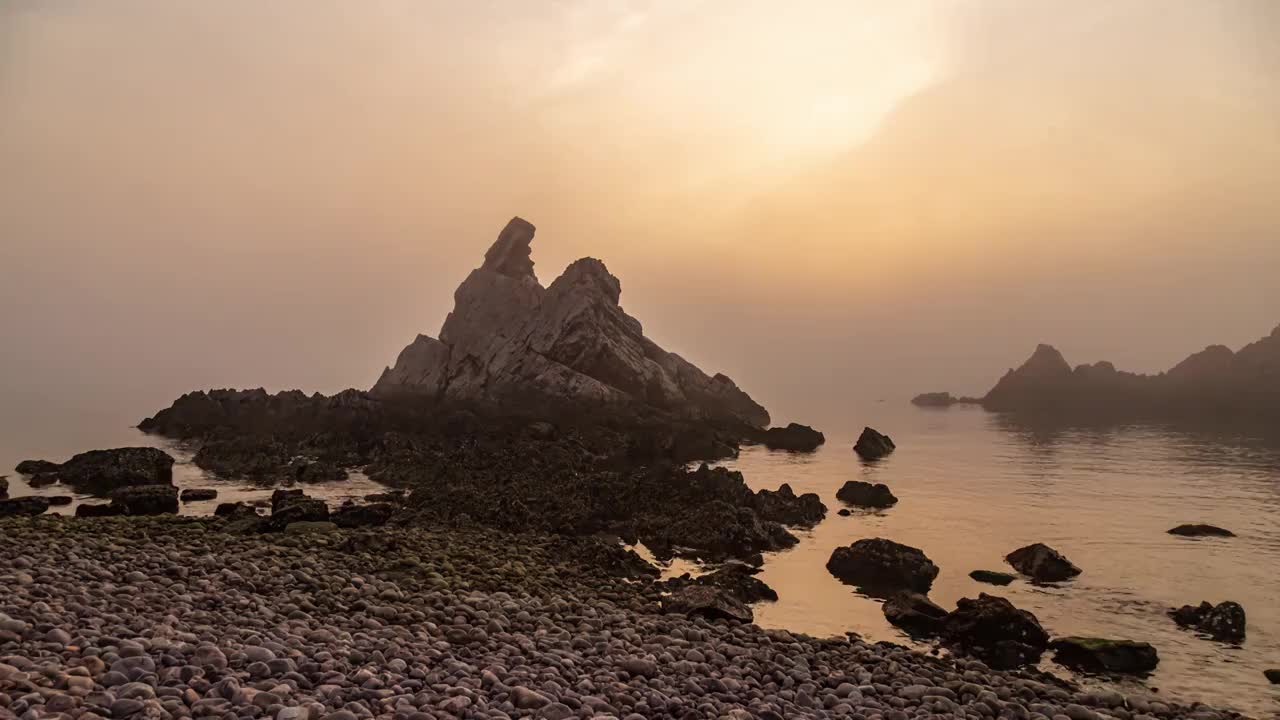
(829, 201)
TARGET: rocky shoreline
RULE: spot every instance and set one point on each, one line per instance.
(171, 617)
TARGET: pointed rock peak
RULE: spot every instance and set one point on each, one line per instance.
(510, 255)
(592, 275)
(1046, 358)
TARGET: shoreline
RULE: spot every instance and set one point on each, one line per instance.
(173, 617)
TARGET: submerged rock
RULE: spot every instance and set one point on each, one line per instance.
(1201, 530)
(992, 577)
(880, 566)
(99, 472)
(197, 494)
(872, 445)
(864, 494)
(1224, 622)
(915, 613)
(1099, 655)
(146, 499)
(706, 601)
(32, 505)
(794, 437)
(1042, 563)
(995, 631)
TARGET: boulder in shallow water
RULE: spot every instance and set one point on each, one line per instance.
(37, 467)
(1272, 675)
(993, 577)
(915, 613)
(23, 506)
(995, 631)
(1201, 530)
(98, 510)
(234, 510)
(1224, 622)
(880, 567)
(146, 499)
(865, 494)
(873, 445)
(280, 498)
(99, 472)
(298, 510)
(197, 494)
(794, 437)
(1099, 655)
(1042, 563)
(59, 500)
(371, 515)
(784, 506)
(709, 602)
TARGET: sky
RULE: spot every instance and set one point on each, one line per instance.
(829, 201)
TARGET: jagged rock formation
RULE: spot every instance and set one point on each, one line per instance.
(1214, 380)
(509, 339)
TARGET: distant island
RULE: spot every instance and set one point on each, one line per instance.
(1215, 383)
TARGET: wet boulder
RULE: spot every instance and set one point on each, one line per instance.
(235, 510)
(708, 602)
(146, 499)
(914, 613)
(1042, 563)
(316, 471)
(98, 510)
(784, 506)
(280, 498)
(865, 494)
(298, 510)
(1272, 675)
(993, 577)
(1224, 622)
(1100, 655)
(873, 445)
(370, 515)
(37, 467)
(880, 567)
(737, 579)
(794, 437)
(993, 630)
(4, 487)
(59, 500)
(198, 494)
(23, 506)
(99, 472)
(1201, 530)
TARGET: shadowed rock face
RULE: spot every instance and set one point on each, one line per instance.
(508, 338)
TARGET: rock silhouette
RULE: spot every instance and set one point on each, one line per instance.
(509, 339)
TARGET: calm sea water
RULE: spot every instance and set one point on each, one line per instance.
(973, 486)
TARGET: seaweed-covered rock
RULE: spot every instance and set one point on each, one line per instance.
(880, 566)
(23, 506)
(873, 445)
(282, 497)
(1100, 655)
(1224, 622)
(235, 510)
(146, 499)
(1042, 563)
(298, 510)
(1201, 530)
(92, 510)
(794, 437)
(865, 494)
(363, 515)
(706, 601)
(915, 613)
(99, 472)
(992, 629)
(992, 577)
(197, 494)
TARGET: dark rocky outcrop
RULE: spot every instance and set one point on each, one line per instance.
(1273, 676)
(316, 471)
(736, 579)
(146, 499)
(295, 509)
(371, 515)
(1201, 530)
(794, 437)
(881, 567)
(99, 472)
(1224, 622)
(233, 510)
(23, 506)
(1240, 385)
(1099, 655)
(4, 487)
(934, 399)
(864, 494)
(872, 445)
(98, 510)
(1042, 563)
(37, 467)
(59, 500)
(784, 506)
(914, 613)
(509, 337)
(995, 631)
(197, 494)
(992, 577)
(706, 601)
